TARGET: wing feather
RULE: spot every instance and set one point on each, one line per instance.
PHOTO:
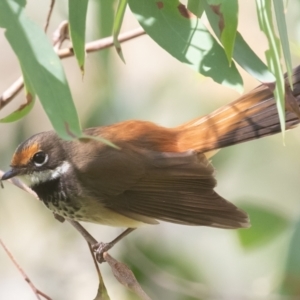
(179, 188)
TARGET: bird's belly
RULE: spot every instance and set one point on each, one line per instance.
(94, 212)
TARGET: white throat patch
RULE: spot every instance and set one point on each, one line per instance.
(46, 175)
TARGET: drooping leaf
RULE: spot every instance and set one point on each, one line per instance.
(291, 277)
(22, 111)
(283, 35)
(77, 20)
(26, 107)
(125, 276)
(264, 13)
(150, 262)
(242, 52)
(265, 226)
(102, 293)
(42, 67)
(117, 26)
(196, 7)
(228, 14)
(181, 34)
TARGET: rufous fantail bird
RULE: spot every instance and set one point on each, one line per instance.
(157, 173)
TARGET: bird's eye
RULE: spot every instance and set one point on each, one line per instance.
(40, 158)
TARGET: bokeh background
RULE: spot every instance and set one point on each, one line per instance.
(171, 261)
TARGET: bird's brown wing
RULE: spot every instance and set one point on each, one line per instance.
(143, 184)
(103, 170)
(178, 188)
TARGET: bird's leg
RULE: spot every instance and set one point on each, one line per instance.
(100, 248)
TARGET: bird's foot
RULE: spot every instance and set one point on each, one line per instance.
(100, 249)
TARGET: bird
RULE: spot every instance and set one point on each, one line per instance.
(154, 173)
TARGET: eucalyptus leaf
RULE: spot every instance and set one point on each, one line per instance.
(264, 13)
(184, 36)
(196, 7)
(227, 12)
(117, 26)
(22, 111)
(25, 108)
(42, 67)
(77, 20)
(291, 275)
(242, 52)
(284, 39)
(265, 226)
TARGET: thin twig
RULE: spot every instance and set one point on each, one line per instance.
(86, 235)
(102, 291)
(60, 35)
(18, 183)
(11, 92)
(103, 43)
(52, 2)
(97, 45)
(124, 275)
(36, 291)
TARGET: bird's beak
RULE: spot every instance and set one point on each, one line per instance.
(10, 174)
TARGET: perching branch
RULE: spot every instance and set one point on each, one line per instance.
(123, 274)
(8, 95)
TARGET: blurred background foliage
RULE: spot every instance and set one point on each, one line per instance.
(170, 261)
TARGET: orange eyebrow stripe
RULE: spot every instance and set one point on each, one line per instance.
(22, 158)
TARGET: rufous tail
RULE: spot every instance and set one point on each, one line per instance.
(252, 116)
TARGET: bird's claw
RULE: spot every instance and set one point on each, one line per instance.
(100, 249)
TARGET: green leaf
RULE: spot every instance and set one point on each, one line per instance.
(264, 13)
(22, 111)
(41, 66)
(242, 53)
(265, 226)
(117, 26)
(250, 62)
(291, 276)
(227, 21)
(229, 10)
(102, 291)
(181, 276)
(283, 35)
(25, 108)
(77, 20)
(184, 36)
(196, 7)
(99, 139)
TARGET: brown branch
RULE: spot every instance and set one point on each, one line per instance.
(36, 291)
(103, 43)
(11, 92)
(97, 45)
(102, 291)
(52, 2)
(18, 183)
(60, 35)
(17, 86)
(86, 235)
(123, 274)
